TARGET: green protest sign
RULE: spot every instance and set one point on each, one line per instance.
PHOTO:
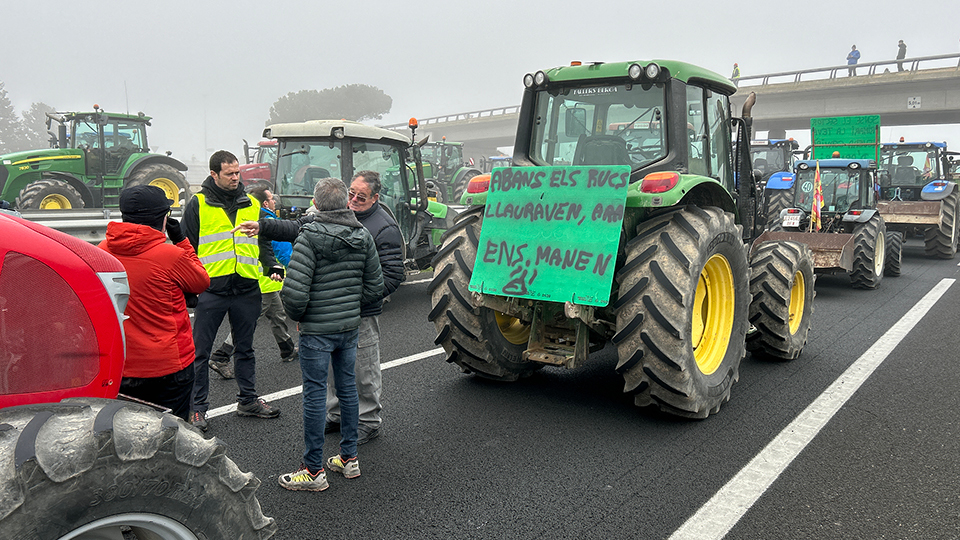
(854, 137)
(551, 233)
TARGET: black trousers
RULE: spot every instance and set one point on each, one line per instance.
(243, 311)
(171, 391)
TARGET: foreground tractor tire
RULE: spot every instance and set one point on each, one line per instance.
(49, 194)
(941, 242)
(781, 287)
(93, 468)
(894, 254)
(682, 311)
(479, 340)
(869, 248)
(165, 177)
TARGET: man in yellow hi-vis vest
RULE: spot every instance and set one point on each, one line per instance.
(231, 260)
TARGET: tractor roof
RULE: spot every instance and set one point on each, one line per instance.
(914, 144)
(683, 71)
(835, 163)
(139, 117)
(329, 128)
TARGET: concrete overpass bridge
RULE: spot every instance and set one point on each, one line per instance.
(926, 92)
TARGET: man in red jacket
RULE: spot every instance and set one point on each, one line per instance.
(160, 351)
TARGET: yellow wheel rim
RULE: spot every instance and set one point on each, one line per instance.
(170, 189)
(55, 202)
(797, 296)
(713, 314)
(512, 329)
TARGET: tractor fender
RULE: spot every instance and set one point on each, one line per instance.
(937, 190)
(863, 217)
(708, 193)
(152, 158)
(781, 180)
(463, 171)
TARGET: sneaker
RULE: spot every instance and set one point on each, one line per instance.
(365, 434)
(258, 408)
(224, 369)
(199, 420)
(332, 426)
(295, 355)
(350, 468)
(304, 480)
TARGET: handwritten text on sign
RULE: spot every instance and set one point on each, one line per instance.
(551, 233)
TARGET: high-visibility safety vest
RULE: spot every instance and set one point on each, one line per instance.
(223, 252)
(269, 285)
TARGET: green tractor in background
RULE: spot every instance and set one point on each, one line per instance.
(95, 156)
(660, 267)
(443, 165)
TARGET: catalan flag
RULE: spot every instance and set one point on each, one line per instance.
(815, 220)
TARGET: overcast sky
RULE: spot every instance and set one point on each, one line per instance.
(209, 70)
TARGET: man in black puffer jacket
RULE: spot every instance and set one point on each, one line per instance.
(365, 202)
(334, 269)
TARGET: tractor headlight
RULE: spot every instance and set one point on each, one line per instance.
(652, 70)
(635, 71)
(540, 78)
(854, 165)
(528, 80)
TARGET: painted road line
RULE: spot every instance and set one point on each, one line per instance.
(724, 510)
(427, 280)
(227, 409)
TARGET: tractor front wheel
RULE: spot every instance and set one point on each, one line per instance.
(781, 286)
(941, 242)
(165, 177)
(478, 339)
(49, 194)
(682, 311)
(869, 248)
(894, 254)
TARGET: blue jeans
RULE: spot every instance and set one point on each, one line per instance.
(316, 354)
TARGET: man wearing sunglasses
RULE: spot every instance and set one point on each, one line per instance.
(364, 199)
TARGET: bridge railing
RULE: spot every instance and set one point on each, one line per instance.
(830, 72)
(499, 111)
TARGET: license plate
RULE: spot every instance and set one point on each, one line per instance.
(791, 220)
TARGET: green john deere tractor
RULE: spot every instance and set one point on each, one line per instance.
(96, 155)
(443, 165)
(623, 219)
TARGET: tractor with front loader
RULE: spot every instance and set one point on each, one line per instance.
(96, 155)
(919, 197)
(592, 238)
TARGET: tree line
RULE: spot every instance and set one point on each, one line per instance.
(359, 102)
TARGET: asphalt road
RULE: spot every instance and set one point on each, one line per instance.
(564, 454)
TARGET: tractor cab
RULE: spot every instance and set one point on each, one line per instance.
(107, 141)
(772, 157)
(909, 167)
(849, 187)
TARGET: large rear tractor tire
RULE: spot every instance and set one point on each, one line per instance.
(781, 285)
(165, 177)
(682, 311)
(941, 242)
(894, 254)
(869, 249)
(49, 194)
(93, 468)
(478, 339)
(776, 200)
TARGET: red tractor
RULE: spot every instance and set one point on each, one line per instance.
(259, 167)
(91, 465)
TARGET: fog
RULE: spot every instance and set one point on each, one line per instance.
(209, 70)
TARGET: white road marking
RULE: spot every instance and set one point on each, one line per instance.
(727, 506)
(426, 280)
(227, 409)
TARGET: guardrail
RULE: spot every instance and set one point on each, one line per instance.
(89, 225)
(484, 113)
(831, 71)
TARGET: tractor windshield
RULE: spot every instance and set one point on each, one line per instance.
(768, 159)
(910, 166)
(600, 125)
(302, 163)
(841, 188)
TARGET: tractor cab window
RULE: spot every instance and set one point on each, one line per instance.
(387, 160)
(708, 135)
(768, 160)
(302, 163)
(600, 125)
(266, 154)
(910, 167)
(841, 189)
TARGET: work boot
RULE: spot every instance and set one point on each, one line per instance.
(258, 409)
(224, 369)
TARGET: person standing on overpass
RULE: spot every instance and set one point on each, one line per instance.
(852, 59)
(901, 54)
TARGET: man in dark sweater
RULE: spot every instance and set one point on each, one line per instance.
(365, 202)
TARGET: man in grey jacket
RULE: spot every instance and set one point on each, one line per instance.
(334, 269)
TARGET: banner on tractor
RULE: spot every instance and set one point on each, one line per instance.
(551, 233)
(853, 137)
